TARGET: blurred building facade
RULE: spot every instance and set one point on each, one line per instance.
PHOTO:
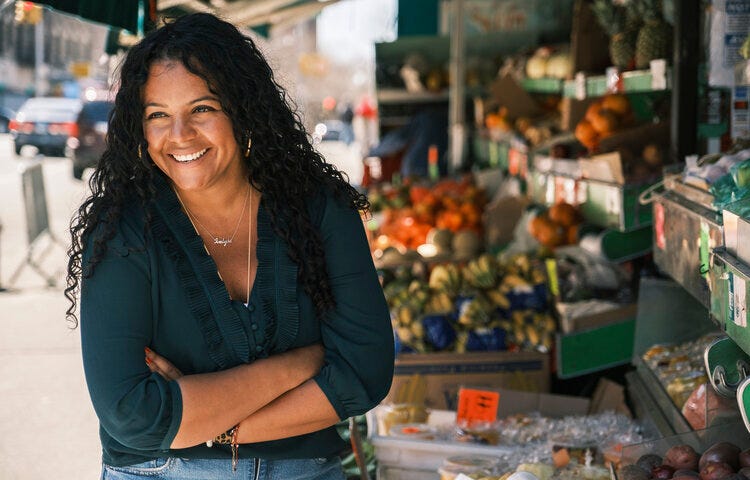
(72, 54)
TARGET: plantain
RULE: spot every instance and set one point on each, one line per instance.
(446, 278)
(439, 302)
(515, 281)
(405, 334)
(481, 272)
(417, 329)
(498, 299)
(405, 316)
(476, 312)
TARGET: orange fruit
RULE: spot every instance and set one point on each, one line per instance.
(593, 110)
(617, 103)
(586, 134)
(605, 122)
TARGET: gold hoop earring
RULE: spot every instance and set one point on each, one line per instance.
(140, 154)
(249, 144)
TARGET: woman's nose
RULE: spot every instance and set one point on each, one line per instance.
(181, 129)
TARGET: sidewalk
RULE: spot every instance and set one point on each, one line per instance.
(49, 430)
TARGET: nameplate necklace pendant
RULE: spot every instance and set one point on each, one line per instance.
(222, 241)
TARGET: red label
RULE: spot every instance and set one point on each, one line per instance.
(659, 237)
(477, 406)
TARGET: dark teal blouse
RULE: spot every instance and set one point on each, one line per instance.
(162, 290)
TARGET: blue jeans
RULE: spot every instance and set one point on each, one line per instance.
(173, 468)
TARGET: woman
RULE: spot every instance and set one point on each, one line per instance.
(229, 306)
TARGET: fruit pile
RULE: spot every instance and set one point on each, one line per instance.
(603, 118)
(557, 226)
(722, 461)
(410, 211)
(483, 304)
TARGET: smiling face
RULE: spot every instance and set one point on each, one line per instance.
(189, 136)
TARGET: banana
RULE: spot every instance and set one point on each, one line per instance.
(498, 299)
(405, 316)
(405, 334)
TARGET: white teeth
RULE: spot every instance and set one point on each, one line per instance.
(191, 157)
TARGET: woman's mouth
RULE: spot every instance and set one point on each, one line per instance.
(189, 157)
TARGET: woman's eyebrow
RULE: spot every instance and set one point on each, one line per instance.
(200, 99)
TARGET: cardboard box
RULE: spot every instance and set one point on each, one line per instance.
(609, 396)
(547, 404)
(587, 322)
(508, 93)
(606, 168)
(438, 376)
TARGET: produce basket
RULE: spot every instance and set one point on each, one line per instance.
(700, 440)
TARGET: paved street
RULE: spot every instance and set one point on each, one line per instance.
(48, 429)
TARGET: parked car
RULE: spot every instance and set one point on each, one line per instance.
(6, 115)
(45, 123)
(87, 146)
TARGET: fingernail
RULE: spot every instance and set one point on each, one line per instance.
(148, 361)
(147, 350)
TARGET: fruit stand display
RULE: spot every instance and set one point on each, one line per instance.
(592, 145)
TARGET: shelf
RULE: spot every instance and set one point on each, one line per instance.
(644, 406)
(396, 95)
(661, 399)
(542, 85)
(636, 81)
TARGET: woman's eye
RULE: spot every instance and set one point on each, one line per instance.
(153, 115)
(204, 108)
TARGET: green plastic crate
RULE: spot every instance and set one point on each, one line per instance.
(579, 353)
(490, 153)
(729, 281)
(608, 205)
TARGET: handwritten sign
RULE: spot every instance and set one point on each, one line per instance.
(477, 406)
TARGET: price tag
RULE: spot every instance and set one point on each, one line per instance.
(477, 406)
(740, 302)
(704, 250)
(580, 86)
(658, 69)
(660, 236)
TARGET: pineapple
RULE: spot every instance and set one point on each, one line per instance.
(655, 36)
(612, 19)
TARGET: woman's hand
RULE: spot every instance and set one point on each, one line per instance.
(158, 364)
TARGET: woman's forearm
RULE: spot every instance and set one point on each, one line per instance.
(301, 410)
(214, 402)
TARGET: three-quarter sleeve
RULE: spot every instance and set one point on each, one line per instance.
(137, 408)
(357, 334)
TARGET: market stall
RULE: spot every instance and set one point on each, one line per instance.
(537, 261)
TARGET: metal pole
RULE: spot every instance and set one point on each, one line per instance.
(684, 107)
(39, 58)
(457, 97)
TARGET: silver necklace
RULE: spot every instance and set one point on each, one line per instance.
(224, 242)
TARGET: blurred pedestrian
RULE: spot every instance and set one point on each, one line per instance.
(230, 312)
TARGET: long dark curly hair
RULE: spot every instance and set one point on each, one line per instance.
(283, 165)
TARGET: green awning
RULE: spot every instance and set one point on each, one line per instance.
(126, 14)
(138, 15)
